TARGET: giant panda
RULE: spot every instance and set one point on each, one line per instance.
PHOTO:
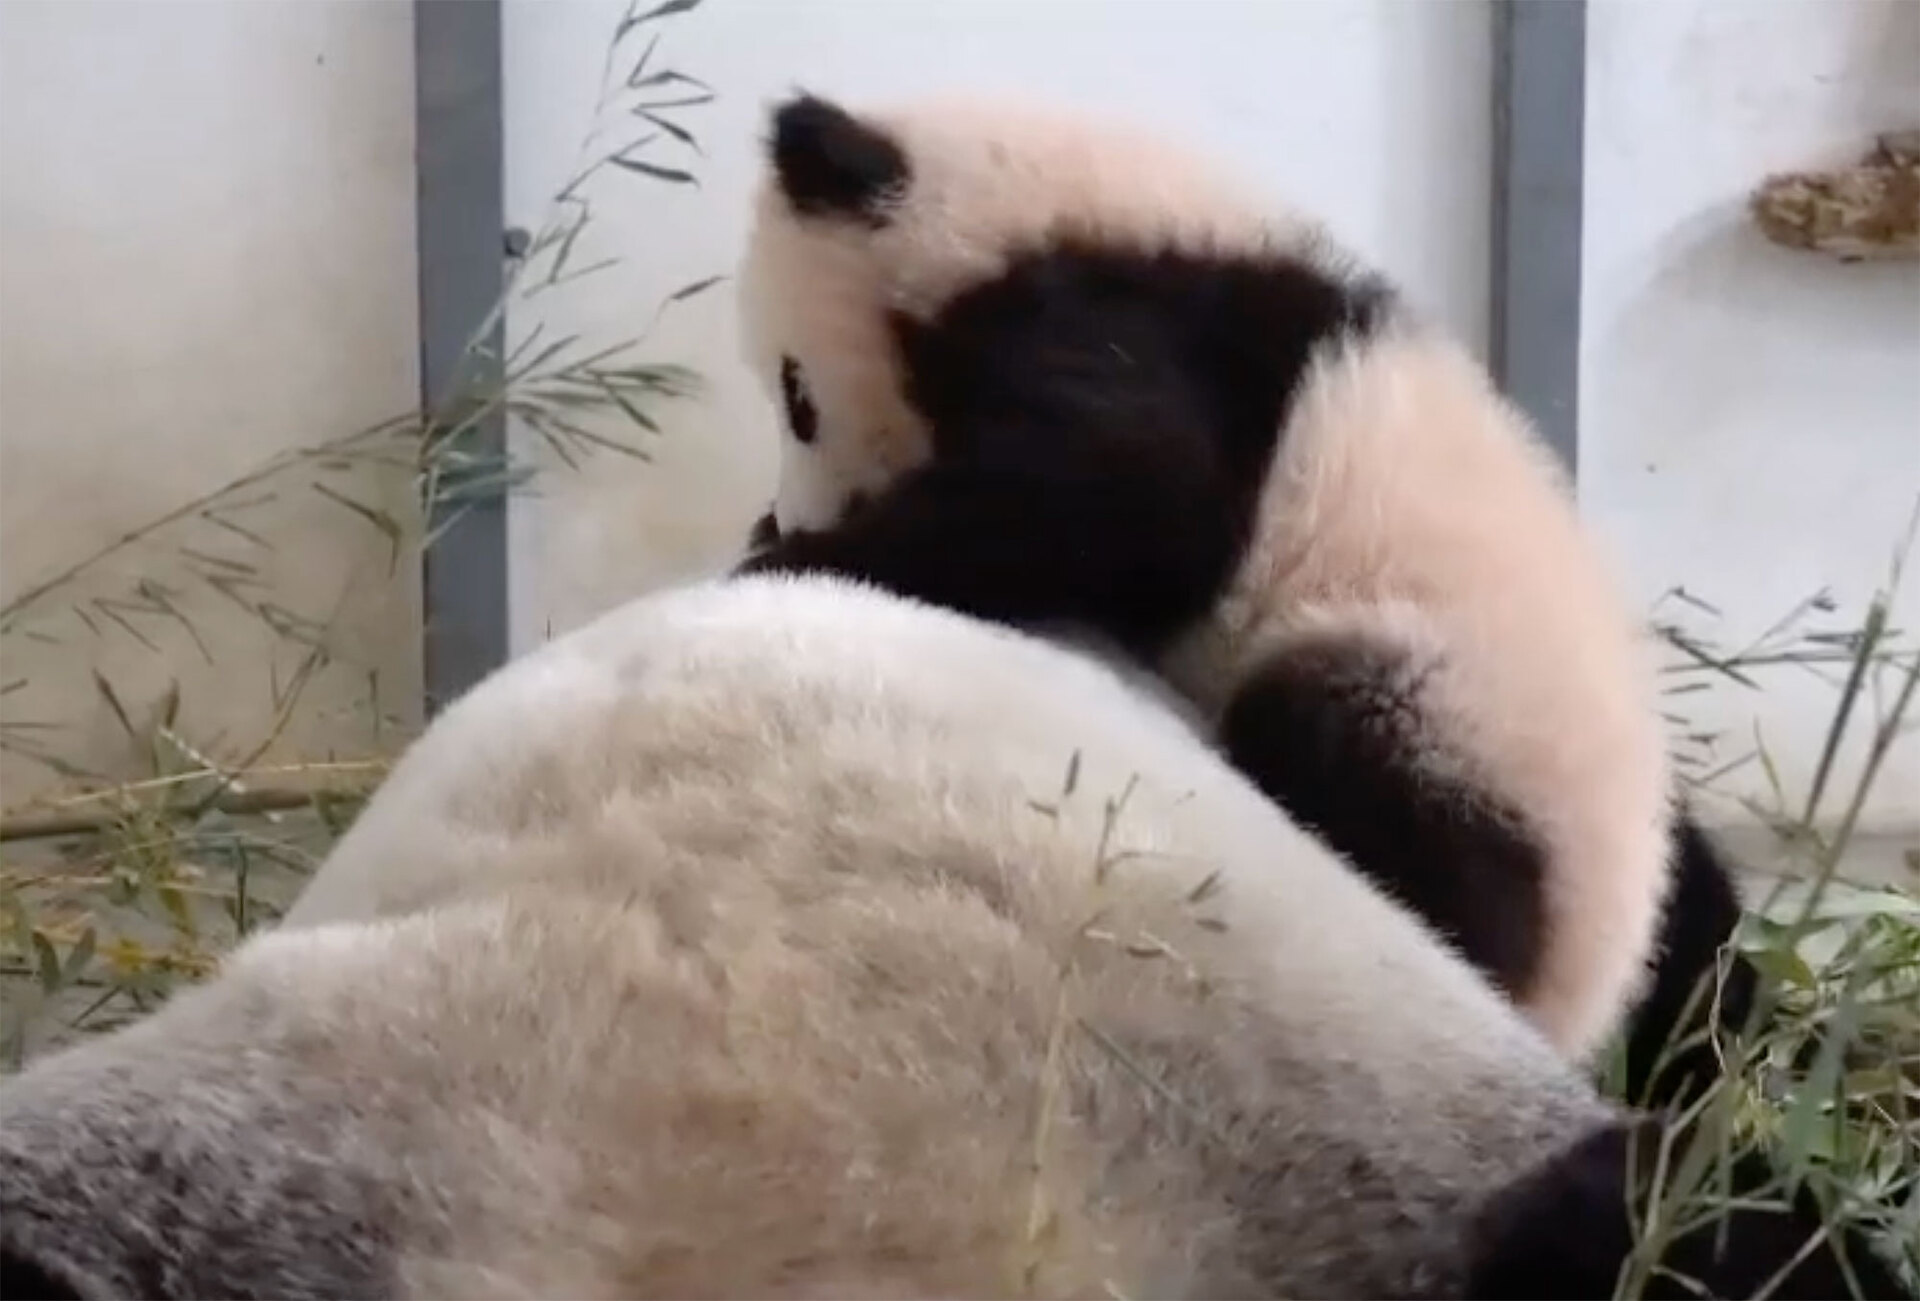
(783, 938)
(1035, 367)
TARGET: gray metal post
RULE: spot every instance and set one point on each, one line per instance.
(459, 223)
(1539, 122)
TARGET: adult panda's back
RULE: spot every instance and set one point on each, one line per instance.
(740, 944)
(803, 708)
(820, 733)
(755, 942)
(952, 803)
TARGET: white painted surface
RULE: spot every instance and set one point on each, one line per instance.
(1750, 416)
(1369, 110)
(206, 257)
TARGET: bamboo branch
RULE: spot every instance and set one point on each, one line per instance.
(46, 826)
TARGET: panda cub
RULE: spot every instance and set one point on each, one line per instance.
(1039, 369)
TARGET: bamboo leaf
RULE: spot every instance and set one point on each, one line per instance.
(78, 957)
(669, 77)
(175, 902)
(682, 294)
(1208, 886)
(112, 697)
(387, 524)
(671, 174)
(105, 608)
(686, 101)
(48, 962)
(632, 412)
(671, 127)
(664, 10)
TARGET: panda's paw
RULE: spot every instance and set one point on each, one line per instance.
(1557, 1232)
(763, 561)
(790, 553)
(1564, 1231)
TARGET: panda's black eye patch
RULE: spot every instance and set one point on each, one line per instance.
(802, 418)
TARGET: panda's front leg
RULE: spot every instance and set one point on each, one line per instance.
(795, 553)
(765, 532)
(921, 539)
(1015, 546)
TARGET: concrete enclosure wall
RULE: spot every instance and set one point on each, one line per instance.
(1750, 415)
(206, 258)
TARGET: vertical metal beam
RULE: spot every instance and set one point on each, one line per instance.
(459, 223)
(1539, 125)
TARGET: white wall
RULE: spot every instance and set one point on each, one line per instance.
(206, 256)
(1370, 109)
(1750, 415)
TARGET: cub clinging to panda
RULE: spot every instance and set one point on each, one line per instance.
(1042, 370)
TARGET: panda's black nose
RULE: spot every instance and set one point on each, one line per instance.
(766, 532)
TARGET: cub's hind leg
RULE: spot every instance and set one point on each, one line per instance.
(1331, 727)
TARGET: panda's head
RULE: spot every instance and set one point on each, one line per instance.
(868, 224)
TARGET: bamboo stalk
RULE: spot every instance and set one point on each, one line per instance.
(46, 826)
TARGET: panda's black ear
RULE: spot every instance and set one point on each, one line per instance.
(832, 164)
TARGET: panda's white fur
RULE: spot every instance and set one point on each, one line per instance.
(1408, 502)
(737, 944)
